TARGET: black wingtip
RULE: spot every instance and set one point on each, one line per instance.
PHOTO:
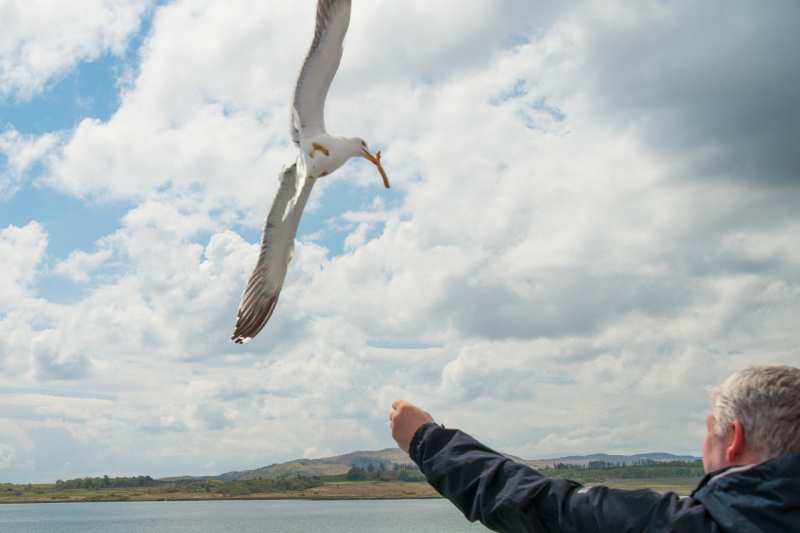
(251, 321)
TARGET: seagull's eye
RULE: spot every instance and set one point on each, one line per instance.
(363, 144)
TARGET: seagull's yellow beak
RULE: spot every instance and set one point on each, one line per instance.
(376, 160)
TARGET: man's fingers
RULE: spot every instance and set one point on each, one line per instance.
(405, 419)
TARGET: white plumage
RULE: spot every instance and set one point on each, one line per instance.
(320, 154)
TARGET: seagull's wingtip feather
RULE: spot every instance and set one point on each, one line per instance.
(253, 318)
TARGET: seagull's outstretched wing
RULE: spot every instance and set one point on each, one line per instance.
(277, 248)
(322, 61)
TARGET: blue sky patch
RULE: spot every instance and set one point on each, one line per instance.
(542, 105)
(517, 91)
(89, 91)
(340, 197)
(71, 223)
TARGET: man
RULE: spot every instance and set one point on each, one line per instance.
(751, 456)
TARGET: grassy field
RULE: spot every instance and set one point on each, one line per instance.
(680, 485)
(330, 490)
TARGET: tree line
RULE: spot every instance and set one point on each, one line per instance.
(230, 488)
(638, 463)
(401, 473)
(106, 482)
(260, 486)
(598, 471)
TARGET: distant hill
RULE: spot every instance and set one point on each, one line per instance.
(340, 464)
(327, 466)
(623, 459)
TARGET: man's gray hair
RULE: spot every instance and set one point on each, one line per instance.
(766, 400)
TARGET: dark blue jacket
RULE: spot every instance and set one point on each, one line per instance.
(508, 496)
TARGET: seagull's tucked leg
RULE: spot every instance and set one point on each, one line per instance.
(319, 147)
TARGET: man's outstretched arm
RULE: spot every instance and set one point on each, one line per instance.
(508, 496)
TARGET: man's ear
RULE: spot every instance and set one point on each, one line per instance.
(738, 445)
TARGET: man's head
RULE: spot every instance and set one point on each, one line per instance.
(755, 416)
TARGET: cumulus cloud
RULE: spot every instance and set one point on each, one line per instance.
(21, 153)
(79, 264)
(7, 456)
(21, 251)
(43, 39)
(699, 83)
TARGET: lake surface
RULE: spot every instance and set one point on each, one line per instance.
(262, 516)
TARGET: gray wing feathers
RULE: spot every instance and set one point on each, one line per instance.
(277, 243)
(277, 247)
(319, 68)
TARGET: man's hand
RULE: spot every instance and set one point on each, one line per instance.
(406, 420)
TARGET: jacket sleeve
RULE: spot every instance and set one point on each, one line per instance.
(509, 496)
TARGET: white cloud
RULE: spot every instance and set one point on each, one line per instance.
(21, 252)
(21, 152)
(43, 39)
(7, 456)
(79, 264)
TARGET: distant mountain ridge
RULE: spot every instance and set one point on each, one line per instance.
(622, 459)
(340, 464)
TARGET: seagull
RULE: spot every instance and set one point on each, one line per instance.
(320, 154)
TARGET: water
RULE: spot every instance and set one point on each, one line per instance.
(262, 516)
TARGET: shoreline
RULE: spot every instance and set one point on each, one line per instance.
(155, 500)
(371, 490)
(328, 491)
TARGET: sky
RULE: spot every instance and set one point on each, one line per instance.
(594, 218)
